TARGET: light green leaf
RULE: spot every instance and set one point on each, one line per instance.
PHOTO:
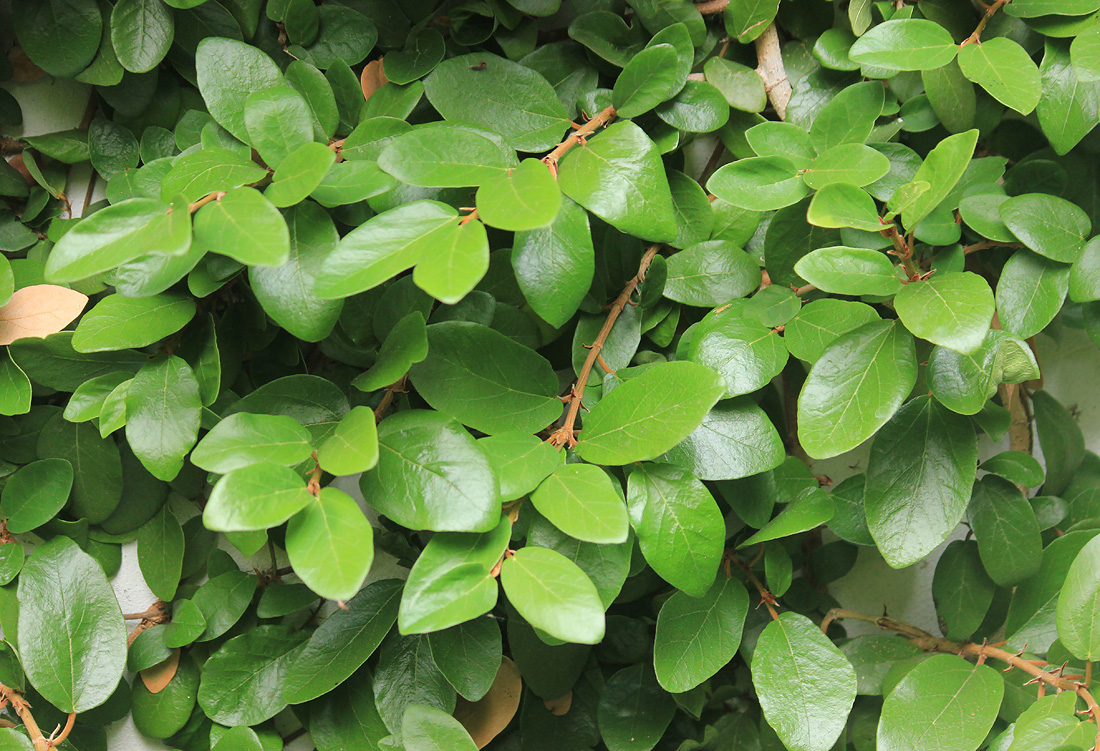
(648, 415)
(330, 544)
(554, 595)
(855, 387)
(72, 640)
(711, 273)
(521, 199)
(679, 527)
(1004, 69)
(243, 439)
(245, 226)
(255, 497)
(35, 493)
(214, 169)
(353, 446)
(428, 729)
(118, 322)
(163, 409)
(1015, 466)
(809, 509)
(279, 121)
(405, 345)
(1068, 108)
(944, 702)
(299, 174)
(736, 439)
(952, 310)
(1030, 292)
(747, 20)
(746, 353)
(554, 266)
(759, 183)
(696, 637)
(228, 72)
(843, 205)
(806, 687)
(486, 380)
(453, 265)
(447, 155)
(919, 477)
(847, 164)
(1051, 226)
(651, 77)
(618, 176)
(820, 322)
(905, 44)
(580, 500)
(942, 169)
(1078, 604)
(849, 271)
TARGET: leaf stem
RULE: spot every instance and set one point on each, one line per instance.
(565, 435)
(578, 136)
(712, 7)
(766, 597)
(205, 200)
(387, 399)
(23, 709)
(990, 11)
(968, 249)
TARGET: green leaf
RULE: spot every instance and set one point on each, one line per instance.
(618, 176)
(118, 322)
(60, 36)
(15, 388)
(606, 565)
(961, 590)
(408, 675)
(451, 582)
(521, 199)
(1015, 466)
(245, 226)
(353, 446)
(500, 96)
(111, 147)
(553, 595)
(1030, 292)
(424, 49)
(952, 310)
(923, 710)
(469, 656)
(1004, 69)
(315, 402)
(35, 493)
(223, 600)
(242, 681)
(942, 170)
(278, 121)
(141, 33)
(405, 345)
(350, 182)
(806, 687)
(963, 383)
(736, 439)
(115, 235)
(255, 497)
(849, 117)
(72, 640)
(162, 415)
(919, 476)
(343, 642)
(1035, 8)
(1084, 276)
(710, 273)
(580, 500)
(759, 183)
(1068, 107)
(807, 510)
(849, 271)
(746, 353)
(451, 267)
(633, 712)
(520, 461)
(330, 544)
(97, 484)
(1061, 440)
(244, 439)
(651, 77)
(951, 96)
(745, 21)
(820, 322)
(906, 44)
(486, 380)
(160, 545)
(428, 729)
(187, 625)
(787, 140)
(383, 247)
(348, 716)
(238, 739)
(1007, 531)
(228, 72)
(648, 415)
(554, 265)
(1078, 603)
(299, 174)
(1051, 226)
(447, 155)
(697, 637)
(855, 387)
(212, 170)
(1084, 53)
(846, 164)
(843, 205)
(679, 527)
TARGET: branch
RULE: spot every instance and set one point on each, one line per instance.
(565, 435)
(930, 643)
(766, 597)
(968, 249)
(23, 709)
(387, 399)
(578, 136)
(990, 11)
(216, 196)
(769, 58)
(711, 7)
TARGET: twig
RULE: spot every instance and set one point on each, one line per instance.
(712, 7)
(990, 11)
(9, 145)
(313, 485)
(577, 136)
(205, 200)
(930, 643)
(968, 249)
(766, 597)
(19, 704)
(387, 399)
(565, 436)
(769, 58)
(57, 740)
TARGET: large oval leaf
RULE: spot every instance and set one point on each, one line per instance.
(697, 636)
(553, 595)
(1079, 602)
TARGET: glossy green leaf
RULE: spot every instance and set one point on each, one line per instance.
(245, 226)
(343, 642)
(254, 497)
(850, 271)
(805, 685)
(520, 462)
(846, 164)
(228, 72)
(429, 729)
(580, 500)
(855, 387)
(118, 322)
(1077, 604)
(807, 510)
(952, 310)
(243, 439)
(942, 169)
(1030, 292)
(141, 33)
(820, 322)
(98, 483)
(447, 155)
(331, 545)
(746, 353)
(35, 493)
(406, 344)
(72, 640)
(633, 711)
(278, 122)
(222, 601)
(618, 176)
(843, 205)
(679, 527)
(647, 80)
(160, 544)
(554, 595)
(944, 702)
(1004, 69)
(241, 682)
(353, 446)
(469, 656)
(162, 415)
(1007, 531)
(961, 590)
(736, 439)
(758, 183)
(710, 273)
(1067, 105)
(60, 37)
(407, 675)
(905, 44)
(486, 380)
(1051, 226)
(521, 199)
(299, 174)
(633, 423)
(915, 498)
(1015, 466)
(696, 637)
(554, 265)
(745, 21)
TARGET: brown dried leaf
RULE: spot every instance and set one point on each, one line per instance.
(485, 718)
(561, 705)
(39, 311)
(372, 78)
(158, 676)
(17, 162)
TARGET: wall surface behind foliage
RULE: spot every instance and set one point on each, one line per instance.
(1070, 368)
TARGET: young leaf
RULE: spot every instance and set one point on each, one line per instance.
(330, 544)
(446, 155)
(696, 637)
(162, 415)
(1004, 69)
(553, 595)
(353, 446)
(849, 271)
(905, 44)
(580, 500)
(428, 729)
(952, 310)
(759, 183)
(942, 169)
(118, 322)
(521, 199)
(255, 497)
(243, 439)
(245, 226)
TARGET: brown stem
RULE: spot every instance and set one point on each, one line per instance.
(968, 249)
(313, 485)
(930, 643)
(769, 58)
(902, 250)
(578, 136)
(158, 609)
(19, 704)
(387, 399)
(9, 145)
(990, 11)
(766, 597)
(804, 289)
(60, 738)
(711, 7)
(205, 200)
(565, 435)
